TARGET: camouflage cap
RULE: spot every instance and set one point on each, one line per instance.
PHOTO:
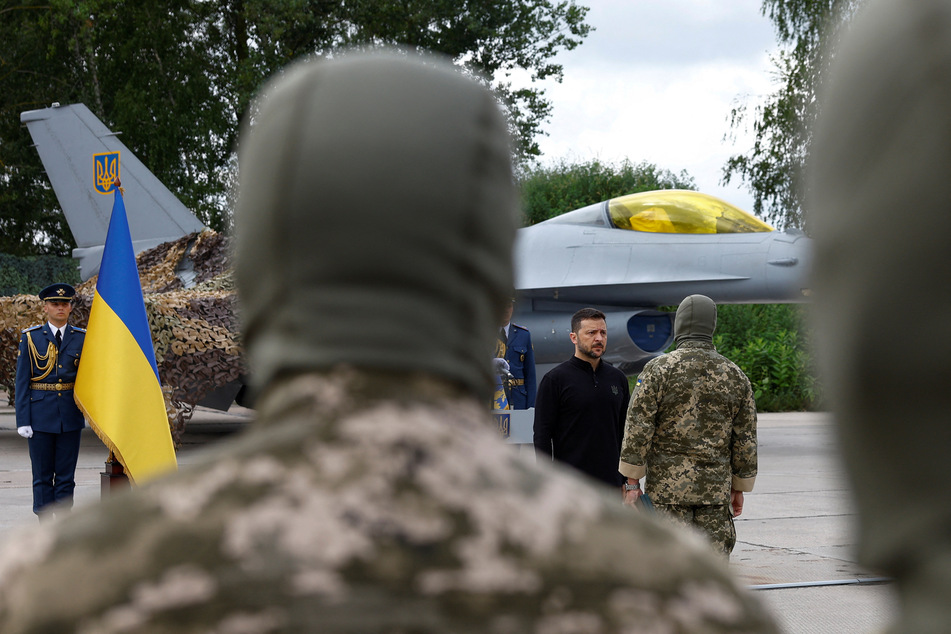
(375, 220)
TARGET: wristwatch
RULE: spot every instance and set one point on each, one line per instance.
(632, 487)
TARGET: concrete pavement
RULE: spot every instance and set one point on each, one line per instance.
(795, 530)
(16, 495)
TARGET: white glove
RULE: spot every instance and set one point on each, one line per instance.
(501, 365)
(26, 431)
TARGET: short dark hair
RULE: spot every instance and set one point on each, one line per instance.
(585, 313)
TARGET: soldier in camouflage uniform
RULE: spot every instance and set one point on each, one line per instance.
(691, 429)
(373, 494)
(879, 209)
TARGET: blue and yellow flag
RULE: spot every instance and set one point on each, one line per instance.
(499, 400)
(117, 385)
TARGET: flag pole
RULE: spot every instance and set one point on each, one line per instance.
(117, 384)
(114, 478)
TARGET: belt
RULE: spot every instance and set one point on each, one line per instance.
(516, 381)
(52, 387)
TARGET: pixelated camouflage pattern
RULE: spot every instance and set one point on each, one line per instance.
(714, 522)
(195, 331)
(368, 503)
(692, 425)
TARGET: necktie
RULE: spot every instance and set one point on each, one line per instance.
(59, 339)
(502, 336)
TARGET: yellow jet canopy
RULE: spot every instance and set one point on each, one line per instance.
(681, 211)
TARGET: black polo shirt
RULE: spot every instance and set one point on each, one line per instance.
(579, 417)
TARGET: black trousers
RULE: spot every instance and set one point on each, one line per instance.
(54, 458)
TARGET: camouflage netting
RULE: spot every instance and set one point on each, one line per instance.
(195, 331)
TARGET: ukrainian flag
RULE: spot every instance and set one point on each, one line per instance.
(499, 400)
(117, 384)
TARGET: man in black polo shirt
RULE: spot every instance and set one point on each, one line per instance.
(581, 405)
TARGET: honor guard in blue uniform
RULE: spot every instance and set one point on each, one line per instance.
(46, 412)
(515, 346)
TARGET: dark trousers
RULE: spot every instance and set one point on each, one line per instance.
(716, 520)
(54, 458)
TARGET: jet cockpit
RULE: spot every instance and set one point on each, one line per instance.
(666, 211)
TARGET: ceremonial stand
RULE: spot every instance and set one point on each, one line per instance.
(114, 478)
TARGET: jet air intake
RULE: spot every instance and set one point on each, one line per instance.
(634, 336)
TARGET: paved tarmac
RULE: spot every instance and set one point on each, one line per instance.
(796, 529)
(795, 532)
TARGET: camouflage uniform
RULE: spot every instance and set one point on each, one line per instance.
(691, 429)
(364, 503)
(879, 195)
(373, 494)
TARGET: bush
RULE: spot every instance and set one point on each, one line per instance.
(27, 276)
(769, 344)
(549, 191)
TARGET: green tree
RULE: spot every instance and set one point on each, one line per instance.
(21, 276)
(177, 76)
(548, 191)
(772, 169)
(29, 220)
(770, 344)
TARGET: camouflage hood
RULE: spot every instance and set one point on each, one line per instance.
(696, 319)
(375, 220)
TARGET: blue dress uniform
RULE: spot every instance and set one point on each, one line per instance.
(521, 358)
(44, 401)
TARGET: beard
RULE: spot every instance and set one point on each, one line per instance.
(591, 352)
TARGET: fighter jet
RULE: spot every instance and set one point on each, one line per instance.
(631, 255)
(82, 157)
(627, 256)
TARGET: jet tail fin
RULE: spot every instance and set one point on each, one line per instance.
(75, 147)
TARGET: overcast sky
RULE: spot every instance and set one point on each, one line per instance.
(656, 80)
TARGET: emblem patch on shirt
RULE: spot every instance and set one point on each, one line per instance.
(105, 171)
(614, 390)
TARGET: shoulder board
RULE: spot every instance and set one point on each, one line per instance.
(78, 329)
(32, 328)
(519, 327)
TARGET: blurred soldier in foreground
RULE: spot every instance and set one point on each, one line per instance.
(373, 495)
(691, 429)
(880, 200)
